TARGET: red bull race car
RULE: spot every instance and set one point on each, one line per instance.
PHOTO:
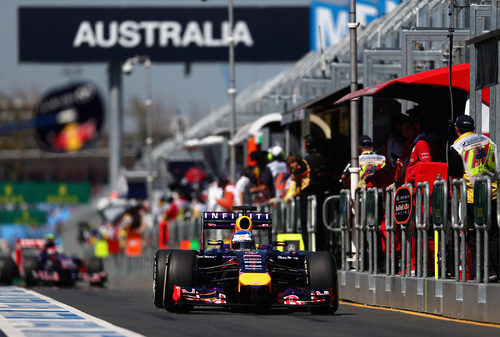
(38, 261)
(243, 272)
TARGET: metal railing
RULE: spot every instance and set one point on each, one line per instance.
(372, 226)
(441, 255)
(482, 223)
(390, 254)
(311, 221)
(459, 225)
(291, 216)
(440, 223)
(422, 223)
(336, 224)
(359, 219)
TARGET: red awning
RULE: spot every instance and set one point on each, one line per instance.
(424, 86)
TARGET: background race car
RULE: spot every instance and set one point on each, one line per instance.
(230, 274)
(37, 260)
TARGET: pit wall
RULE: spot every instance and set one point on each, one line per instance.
(461, 300)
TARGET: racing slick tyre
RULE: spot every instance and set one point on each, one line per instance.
(7, 270)
(30, 266)
(181, 272)
(160, 262)
(322, 274)
(96, 265)
(66, 278)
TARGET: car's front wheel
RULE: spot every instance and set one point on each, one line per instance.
(322, 274)
(159, 268)
(96, 265)
(30, 267)
(181, 272)
(7, 269)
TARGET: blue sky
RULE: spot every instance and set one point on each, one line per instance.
(206, 87)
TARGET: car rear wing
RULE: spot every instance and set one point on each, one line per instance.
(30, 243)
(26, 243)
(227, 220)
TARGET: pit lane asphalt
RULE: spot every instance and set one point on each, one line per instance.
(132, 308)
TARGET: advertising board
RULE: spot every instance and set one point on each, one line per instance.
(166, 34)
(402, 205)
(44, 192)
(333, 17)
(70, 117)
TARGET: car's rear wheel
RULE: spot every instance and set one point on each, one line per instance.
(322, 274)
(30, 266)
(159, 266)
(181, 271)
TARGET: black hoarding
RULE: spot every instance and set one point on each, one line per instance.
(402, 205)
(175, 34)
(69, 118)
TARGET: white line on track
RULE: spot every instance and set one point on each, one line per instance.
(26, 313)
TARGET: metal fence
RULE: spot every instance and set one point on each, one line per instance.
(130, 270)
(432, 241)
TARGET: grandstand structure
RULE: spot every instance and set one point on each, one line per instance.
(414, 37)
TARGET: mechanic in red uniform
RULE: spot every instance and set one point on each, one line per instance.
(409, 133)
(393, 147)
(230, 196)
(173, 210)
(421, 152)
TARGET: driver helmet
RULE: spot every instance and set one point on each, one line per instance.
(52, 250)
(243, 240)
(49, 240)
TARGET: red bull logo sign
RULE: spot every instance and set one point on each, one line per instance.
(402, 205)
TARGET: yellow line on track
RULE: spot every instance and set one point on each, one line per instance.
(490, 325)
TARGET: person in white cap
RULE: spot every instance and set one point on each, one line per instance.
(278, 169)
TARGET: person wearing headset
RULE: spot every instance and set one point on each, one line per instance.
(311, 176)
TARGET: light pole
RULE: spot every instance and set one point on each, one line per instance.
(354, 170)
(127, 68)
(232, 94)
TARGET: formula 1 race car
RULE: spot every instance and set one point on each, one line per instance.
(243, 273)
(38, 261)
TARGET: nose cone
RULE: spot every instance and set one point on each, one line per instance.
(255, 279)
(254, 288)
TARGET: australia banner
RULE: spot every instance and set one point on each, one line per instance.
(165, 34)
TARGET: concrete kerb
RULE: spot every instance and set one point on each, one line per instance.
(460, 300)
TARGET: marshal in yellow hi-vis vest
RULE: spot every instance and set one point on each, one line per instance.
(479, 157)
(101, 249)
(369, 163)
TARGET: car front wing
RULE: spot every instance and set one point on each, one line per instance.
(288, 298)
